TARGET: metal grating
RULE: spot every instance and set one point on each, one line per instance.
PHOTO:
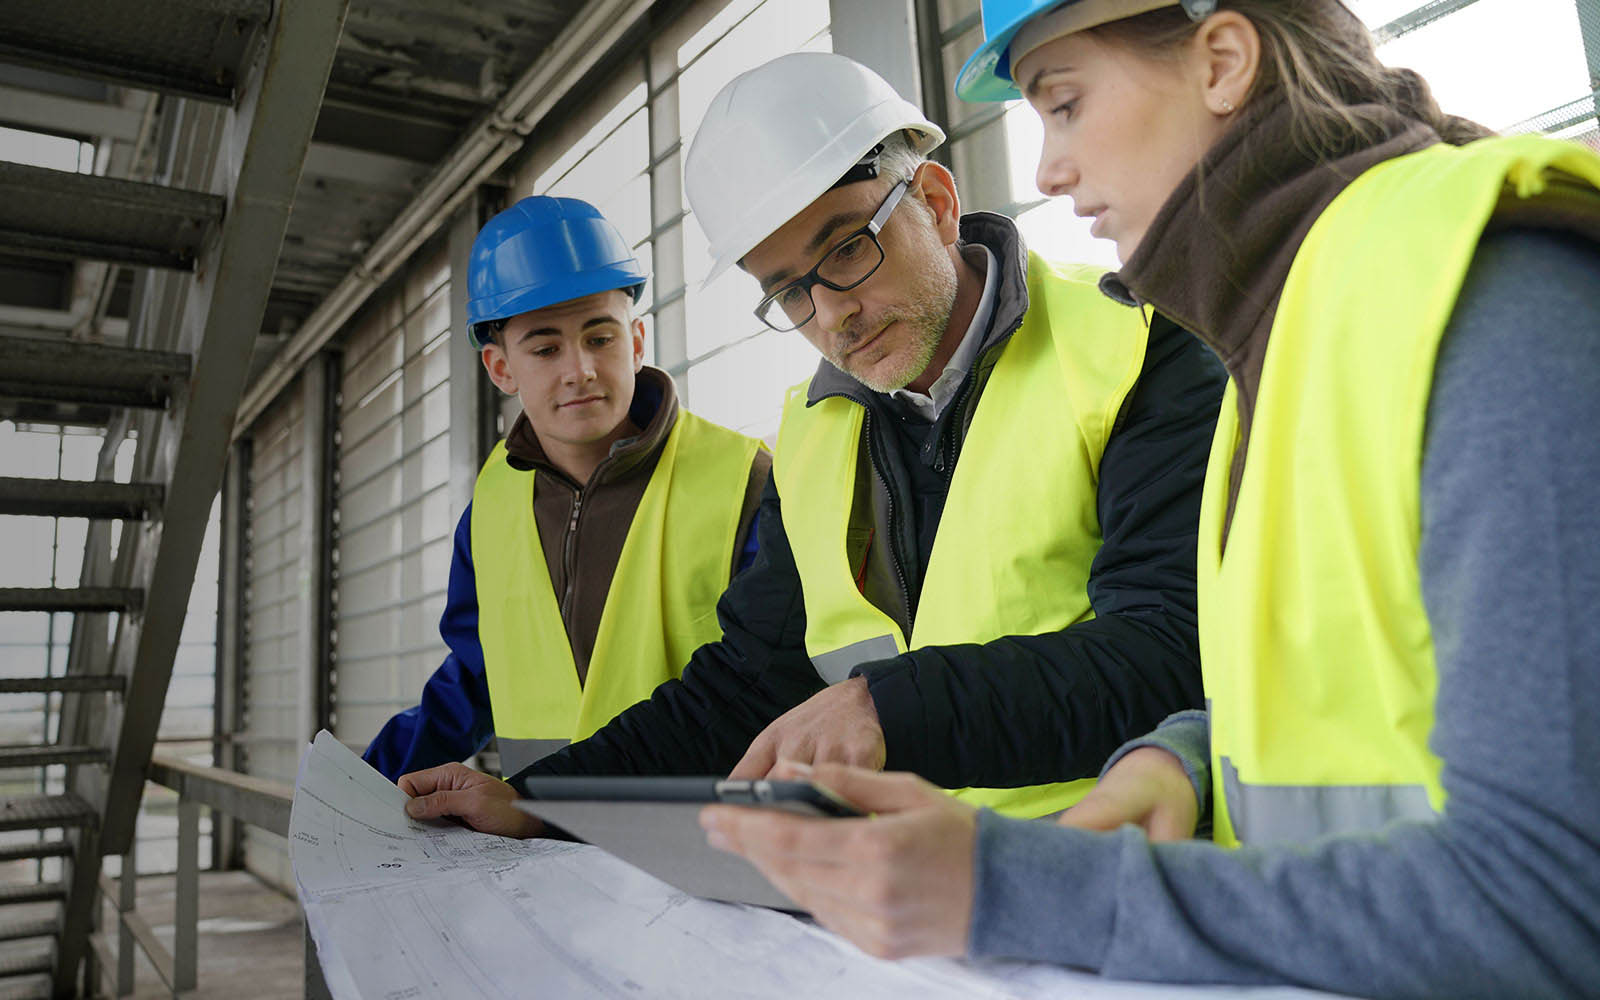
(34, 685)
(70, 599)
(34, 368)
(69, 498)
(56, 213)
(35, 849)
(45, 755)
(195, 48)
(17, 930)
(24, 963)
(40, 812)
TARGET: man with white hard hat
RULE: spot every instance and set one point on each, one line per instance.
(981, 568)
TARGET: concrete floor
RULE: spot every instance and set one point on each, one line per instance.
(251, 942)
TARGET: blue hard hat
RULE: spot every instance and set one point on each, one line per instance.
(542, 251)
(986, 76)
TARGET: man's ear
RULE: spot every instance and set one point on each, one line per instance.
(494, 362)
(637, 329)
(935, 187)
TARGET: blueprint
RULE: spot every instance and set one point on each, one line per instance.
(407, 910)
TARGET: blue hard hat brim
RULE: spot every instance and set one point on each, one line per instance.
(986, 75)
(627, 277)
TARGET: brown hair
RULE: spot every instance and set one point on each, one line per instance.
(1320, 58)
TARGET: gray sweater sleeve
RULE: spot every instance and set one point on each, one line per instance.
(1500, 897)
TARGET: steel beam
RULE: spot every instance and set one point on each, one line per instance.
(1420, 17)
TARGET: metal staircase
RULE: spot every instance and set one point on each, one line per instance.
(240, 83)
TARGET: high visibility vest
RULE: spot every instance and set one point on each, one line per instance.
(661, 606)
(1020, 524)
(1318, 656)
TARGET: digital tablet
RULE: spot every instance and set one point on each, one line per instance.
(653, 824)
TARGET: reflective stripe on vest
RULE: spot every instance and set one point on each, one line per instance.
(1020, 524)
(660, 608)
(1318, 655)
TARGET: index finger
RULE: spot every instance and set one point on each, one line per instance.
(424, 782)
(757, 760)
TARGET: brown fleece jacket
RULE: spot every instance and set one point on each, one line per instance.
(1216, 256)
(582, 527)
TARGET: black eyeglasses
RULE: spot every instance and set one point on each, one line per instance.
(850, 262)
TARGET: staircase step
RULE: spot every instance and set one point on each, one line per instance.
(64, 214)
(57, 685)
(70, 599)
(37, 988)
(41, 958)
(63, 371)
(41, 756)
(32, 892)
(43, 812)
(35, 849)
(17, 930)
(195, 48)
(70, 498)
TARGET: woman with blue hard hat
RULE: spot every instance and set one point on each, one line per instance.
(602, 529)
(1398, 542)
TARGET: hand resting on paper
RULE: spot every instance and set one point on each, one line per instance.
(482, 802)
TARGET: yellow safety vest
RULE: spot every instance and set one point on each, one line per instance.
(1020, 524)
(1317, 652)
(661, 606)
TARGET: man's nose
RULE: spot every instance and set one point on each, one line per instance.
(834, 309)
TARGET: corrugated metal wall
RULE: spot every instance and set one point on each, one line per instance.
(394, 523)
(270, 689)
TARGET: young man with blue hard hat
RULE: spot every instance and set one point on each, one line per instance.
(602, 529)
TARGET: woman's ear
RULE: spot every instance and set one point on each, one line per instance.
(1227, 54)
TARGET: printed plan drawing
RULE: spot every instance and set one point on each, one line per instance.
(404, 910)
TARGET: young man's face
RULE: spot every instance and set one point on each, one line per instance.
(572, 365)
(884, 331)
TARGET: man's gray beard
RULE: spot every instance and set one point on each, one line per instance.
(935, 297)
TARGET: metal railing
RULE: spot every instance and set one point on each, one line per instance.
(251, 800)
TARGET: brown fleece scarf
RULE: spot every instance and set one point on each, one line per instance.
(1216, 257)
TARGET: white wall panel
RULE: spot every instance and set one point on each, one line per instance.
(277, 584)
(394, 522)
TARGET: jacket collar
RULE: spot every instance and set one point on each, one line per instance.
(654, 408)
(1216, 256)
(1001, 236)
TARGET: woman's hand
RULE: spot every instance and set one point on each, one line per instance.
(897, 884)
(1147, 788)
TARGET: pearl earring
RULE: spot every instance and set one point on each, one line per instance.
(1227, 106)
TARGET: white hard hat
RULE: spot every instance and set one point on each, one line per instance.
(779, 136)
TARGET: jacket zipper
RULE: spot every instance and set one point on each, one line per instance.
(894, 552)
(569, 546)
